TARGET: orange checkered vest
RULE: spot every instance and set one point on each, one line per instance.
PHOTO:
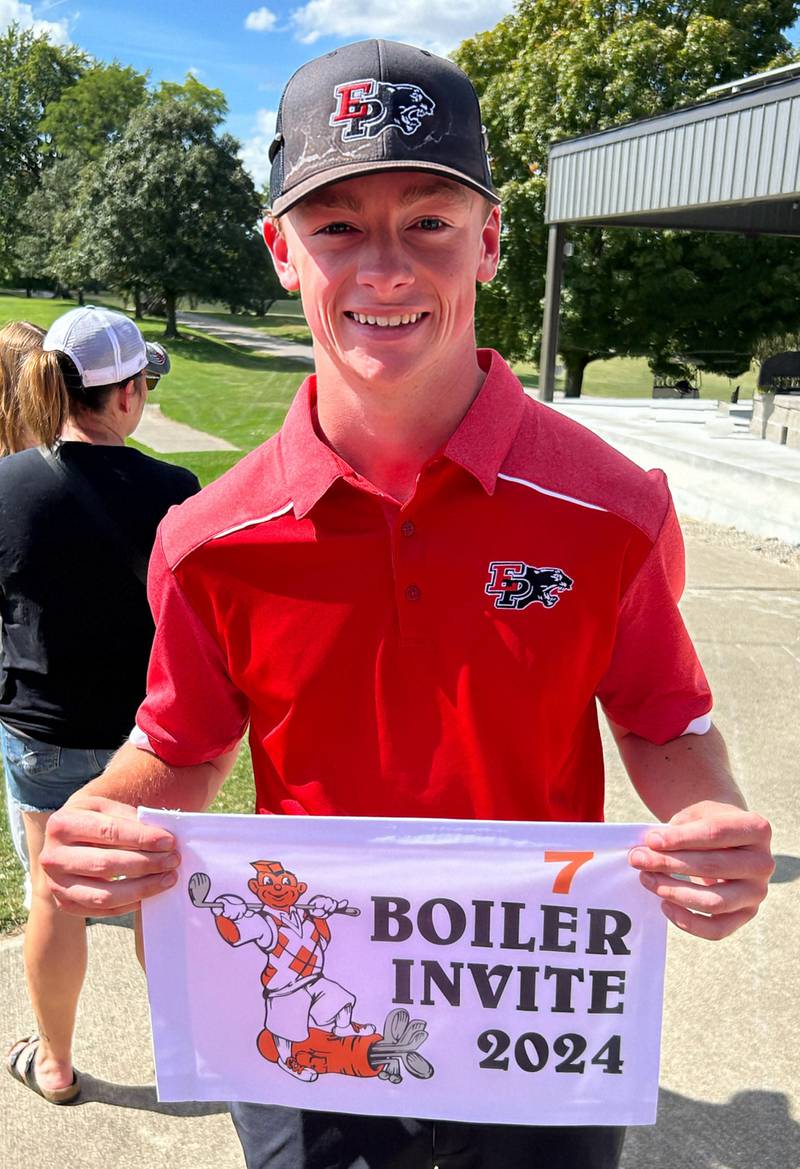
(295, 960)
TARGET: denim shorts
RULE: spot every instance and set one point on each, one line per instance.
(41, 777)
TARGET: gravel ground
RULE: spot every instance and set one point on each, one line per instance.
(775, 550)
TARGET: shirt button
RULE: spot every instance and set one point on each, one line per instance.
(408, 528)
(413, 593)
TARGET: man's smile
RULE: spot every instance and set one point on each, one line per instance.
(398, 321)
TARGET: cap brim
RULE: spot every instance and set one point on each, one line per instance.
(157, 359)
(354, 170)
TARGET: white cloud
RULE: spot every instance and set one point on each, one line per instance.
(14, 11)
(435, 24)
(260, 20)
(255, 149)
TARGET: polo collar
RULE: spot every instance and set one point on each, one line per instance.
(479, 444)
(484, 436)
(310, 466)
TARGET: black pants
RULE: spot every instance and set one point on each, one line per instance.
(285, 1138)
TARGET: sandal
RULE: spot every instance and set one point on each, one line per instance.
(21, 1064)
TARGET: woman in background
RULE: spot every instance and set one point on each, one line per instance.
(77, 521)
(17, 339)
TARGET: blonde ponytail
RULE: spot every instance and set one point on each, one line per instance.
(17, 339)
(9, 409)
(43, 396)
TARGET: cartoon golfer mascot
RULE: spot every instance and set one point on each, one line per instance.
(308, 1024)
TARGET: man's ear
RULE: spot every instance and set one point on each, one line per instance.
(279, 250)
(301, 887)
(252, 885)
(490, 247)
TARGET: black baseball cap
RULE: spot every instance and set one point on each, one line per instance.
(375, 106)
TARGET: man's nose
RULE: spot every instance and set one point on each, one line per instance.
(383, 265)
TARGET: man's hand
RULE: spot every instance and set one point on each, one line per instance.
(101, 861)
(725, 853)
(95, 839)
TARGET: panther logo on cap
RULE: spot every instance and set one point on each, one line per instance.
(367, 108)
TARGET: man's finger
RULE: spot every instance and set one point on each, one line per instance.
(711, 928)
(106, 864)
(726, 897)
(89, 898)
(737, 830)
(719, 864)
(105, 827)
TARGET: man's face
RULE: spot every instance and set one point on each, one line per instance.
(386, 265)
(279, 891)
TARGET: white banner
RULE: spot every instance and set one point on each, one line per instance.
(442, 969)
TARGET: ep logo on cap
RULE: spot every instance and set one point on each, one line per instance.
(365, 109)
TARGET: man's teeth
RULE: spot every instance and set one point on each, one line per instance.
(386, 322)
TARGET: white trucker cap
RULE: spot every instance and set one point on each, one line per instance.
(105, 346)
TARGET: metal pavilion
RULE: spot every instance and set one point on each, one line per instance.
(731, 163)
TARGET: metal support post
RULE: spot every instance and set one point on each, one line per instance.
(552, 302)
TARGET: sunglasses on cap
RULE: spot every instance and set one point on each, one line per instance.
(157, 364)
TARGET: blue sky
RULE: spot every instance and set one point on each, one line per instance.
(243, 47)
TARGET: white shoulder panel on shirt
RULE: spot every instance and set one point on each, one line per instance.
(698, 726)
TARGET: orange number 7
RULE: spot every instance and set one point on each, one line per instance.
(572, 861)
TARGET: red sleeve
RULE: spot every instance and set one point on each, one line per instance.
(192, 712)
(227, 929)
(655, 685)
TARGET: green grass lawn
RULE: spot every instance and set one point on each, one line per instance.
(214, 387)
(630, 377)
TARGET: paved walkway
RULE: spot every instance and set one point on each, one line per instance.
(730, 1091)
(167, 436)
(717, 469)
(247, 337)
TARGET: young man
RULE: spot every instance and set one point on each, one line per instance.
(416, 591)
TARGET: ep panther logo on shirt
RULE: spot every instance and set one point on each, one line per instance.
(367, 108)
(515, 585)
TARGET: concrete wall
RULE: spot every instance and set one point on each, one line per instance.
(776, 417)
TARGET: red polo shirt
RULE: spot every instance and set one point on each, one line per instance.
(437, 659)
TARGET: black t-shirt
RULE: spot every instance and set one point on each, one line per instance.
(76, 626)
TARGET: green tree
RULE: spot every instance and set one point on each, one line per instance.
(254, 287)
(559, 68)
(169, 207)
(195, 95)
(93, 112)
(33, 73)
(52, 246)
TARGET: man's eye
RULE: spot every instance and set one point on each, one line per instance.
(430, 223)
(335, 229)
(286, 881)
